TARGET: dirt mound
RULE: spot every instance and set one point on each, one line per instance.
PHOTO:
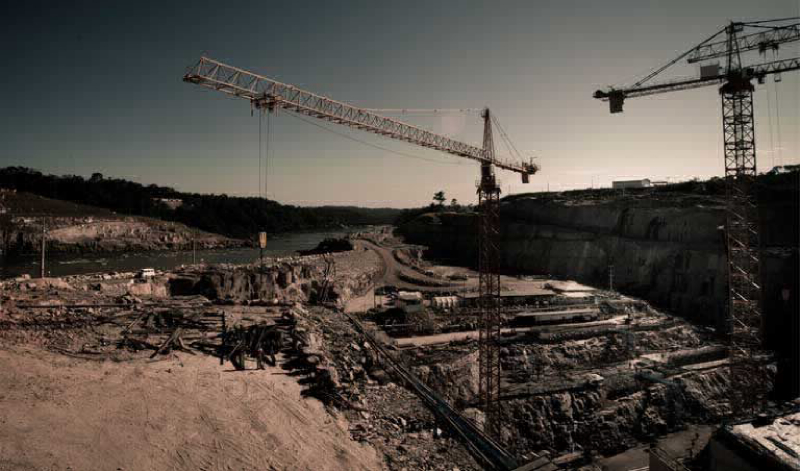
(185, 413)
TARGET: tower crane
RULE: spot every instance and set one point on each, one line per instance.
(736, 90)
(267, 94)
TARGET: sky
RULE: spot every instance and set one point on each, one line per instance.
(96, 87)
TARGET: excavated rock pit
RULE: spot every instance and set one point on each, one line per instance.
(666, 247)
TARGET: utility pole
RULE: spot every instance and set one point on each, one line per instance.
(44, 243)
(262, 244)
(194, 248)
(611, 276)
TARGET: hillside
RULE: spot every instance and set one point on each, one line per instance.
(238, 217)
(81, 228)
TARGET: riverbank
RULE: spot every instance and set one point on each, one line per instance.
(66, 264)
(70, 228)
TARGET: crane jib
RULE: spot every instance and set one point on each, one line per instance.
(616, 97)
(264, 92)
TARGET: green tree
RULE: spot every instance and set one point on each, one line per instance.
(439, 198)
(454, 204)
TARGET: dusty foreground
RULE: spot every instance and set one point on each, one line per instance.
(184, 412)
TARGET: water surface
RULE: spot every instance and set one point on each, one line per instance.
(73, 264)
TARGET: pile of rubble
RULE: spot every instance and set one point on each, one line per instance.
(381, 412)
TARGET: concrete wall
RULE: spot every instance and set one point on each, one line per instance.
(723, 458)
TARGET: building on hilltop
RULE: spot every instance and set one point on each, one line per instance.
(621, 184)
(171, 203)
(778, 169)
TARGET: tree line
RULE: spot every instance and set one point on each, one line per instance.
(239, 217)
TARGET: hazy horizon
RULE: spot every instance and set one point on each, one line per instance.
(97, 88)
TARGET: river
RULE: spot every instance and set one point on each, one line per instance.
(74, 264)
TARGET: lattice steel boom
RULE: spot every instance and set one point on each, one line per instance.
(264, 92)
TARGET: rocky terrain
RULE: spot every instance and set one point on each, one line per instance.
(665, 246)
(572, 392)
(600, 395)
(73, 228)
(117, 349)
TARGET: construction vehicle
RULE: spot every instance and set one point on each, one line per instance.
(270, 95)
(735, 81)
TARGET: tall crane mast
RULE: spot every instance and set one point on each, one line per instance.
(265, 93)
(738, 125)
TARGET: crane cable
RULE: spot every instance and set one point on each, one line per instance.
(771, 132)
(424, 111)
(260, 147)
(503, 138)
(267, 155)
(264, 139)
(778, 131)
(507, 140)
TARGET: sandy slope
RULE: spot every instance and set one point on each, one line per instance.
(183, 413)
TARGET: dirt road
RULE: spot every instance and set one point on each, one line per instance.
(393, 271)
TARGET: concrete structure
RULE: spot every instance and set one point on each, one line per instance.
(561, 316)
(171, 203)
(621, 184)
(445, 302)
(754, 447)
(511, 297)
(661, 460)
(783, 169)
(568, 286)
(409, 301)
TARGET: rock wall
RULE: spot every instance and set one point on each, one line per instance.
(589, 419)
(244, 284)
(668, 250)
(89, 235)
(560, 410)
(300, 278)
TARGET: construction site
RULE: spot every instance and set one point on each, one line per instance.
(645, 326)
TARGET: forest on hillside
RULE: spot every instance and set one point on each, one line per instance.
(239, 217)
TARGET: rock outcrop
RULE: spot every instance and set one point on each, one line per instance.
(93, 235)
(666, 248)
